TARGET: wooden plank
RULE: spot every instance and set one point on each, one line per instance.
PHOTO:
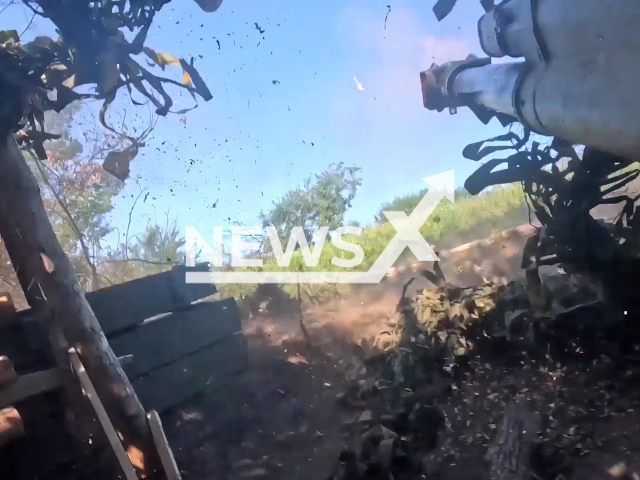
(127, 304)
(179, 381)
(103, 417)
(15, 343)
(170, 338)
(162, 444)
(38, 383)
(28, 385)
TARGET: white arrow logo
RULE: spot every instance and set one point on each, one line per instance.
(407, 236)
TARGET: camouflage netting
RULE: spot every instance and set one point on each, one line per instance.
(562, 200)
(454, 359)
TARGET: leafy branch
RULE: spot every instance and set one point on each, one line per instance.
(91, 51)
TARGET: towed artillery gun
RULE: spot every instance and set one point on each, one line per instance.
(575, 76)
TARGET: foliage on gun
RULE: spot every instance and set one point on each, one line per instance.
(562, 200)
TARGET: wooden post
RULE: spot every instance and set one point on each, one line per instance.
(53, 291)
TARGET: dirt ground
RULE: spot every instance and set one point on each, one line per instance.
(281, 419)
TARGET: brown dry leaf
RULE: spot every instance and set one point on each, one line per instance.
(163, 58)
(186, 79)
(48, 264)
(117, 163)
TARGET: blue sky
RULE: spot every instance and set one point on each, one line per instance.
(253, 141)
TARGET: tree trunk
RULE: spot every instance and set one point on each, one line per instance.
(509, 455)
(53, 291)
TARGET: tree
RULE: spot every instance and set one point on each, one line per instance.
(77, 193)
(44, 75)
(323, 200)
(407, 203)
(155, 250)
(404, 203)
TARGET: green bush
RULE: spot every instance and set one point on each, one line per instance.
(486, 210)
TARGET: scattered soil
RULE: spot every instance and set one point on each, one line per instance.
(286, 418)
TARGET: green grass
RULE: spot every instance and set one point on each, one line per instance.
(483, 213)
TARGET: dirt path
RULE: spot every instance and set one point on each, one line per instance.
(278, 420)
(281, 419)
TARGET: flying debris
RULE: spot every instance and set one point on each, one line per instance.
(358, 84)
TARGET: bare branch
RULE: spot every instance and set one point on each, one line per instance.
(28, 25)
(126, 237)
(74, 226)
(139, 260)
(11, 2)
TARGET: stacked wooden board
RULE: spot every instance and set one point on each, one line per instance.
(174, 347)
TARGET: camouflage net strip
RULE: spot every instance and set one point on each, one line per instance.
(562, 201)
(92, 50)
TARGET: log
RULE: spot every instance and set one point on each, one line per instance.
(509, 455)
(52, 290)
(11, 426)
(8, 374)
(29, 385)
(37, 383)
